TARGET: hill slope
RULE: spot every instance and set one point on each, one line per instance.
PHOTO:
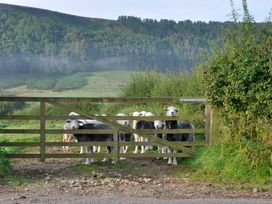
(46, 42)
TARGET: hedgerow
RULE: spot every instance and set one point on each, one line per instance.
(238, 82)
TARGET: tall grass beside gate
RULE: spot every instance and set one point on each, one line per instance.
(236, 157)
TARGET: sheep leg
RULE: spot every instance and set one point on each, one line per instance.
(169, 158)
(109, 148)
(122, 150)
(159, 151)
(174, 160)
(148, 147)
(143, 148)
(64, 140)
(125, 149)
(136, 138)
(82, 150)
(89, 160)
(108, 151)
(164, 150)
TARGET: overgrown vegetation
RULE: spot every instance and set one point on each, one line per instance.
(154, 84)
(10, 107)
(238, 82)
(4, 163)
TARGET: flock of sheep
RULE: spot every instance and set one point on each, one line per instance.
(74, 123)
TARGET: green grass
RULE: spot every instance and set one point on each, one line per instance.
(4, 164)
(11, 81)
(98, 84)
(220, 162)
(42, 83)
(74, 81)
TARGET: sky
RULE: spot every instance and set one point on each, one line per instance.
(178, 10)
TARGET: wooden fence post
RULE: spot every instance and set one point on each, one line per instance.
(209, 123)
(116, 144)
(42, 131)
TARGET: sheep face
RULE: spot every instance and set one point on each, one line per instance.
(73, 124)
(158, 124)
(171, 111)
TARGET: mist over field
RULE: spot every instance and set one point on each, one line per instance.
(44, 42)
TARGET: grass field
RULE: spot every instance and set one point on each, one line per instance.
(99, 84)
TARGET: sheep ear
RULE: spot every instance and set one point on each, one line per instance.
(68, 121)
(177, 110)
(131, 114)
(166, 109)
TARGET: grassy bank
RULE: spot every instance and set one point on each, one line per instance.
(88, 84)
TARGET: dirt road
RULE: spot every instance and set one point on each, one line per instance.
(67, 181)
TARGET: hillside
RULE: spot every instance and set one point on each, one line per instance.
(39, 41)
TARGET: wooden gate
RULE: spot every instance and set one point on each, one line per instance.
(66, 103)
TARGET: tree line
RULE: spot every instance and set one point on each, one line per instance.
(45, 42)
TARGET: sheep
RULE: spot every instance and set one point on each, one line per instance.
(123, 136)
(142, 124)
(94, 137)
(174, 124)
(136, 136)
(95, 124)
(68, 126)
(159, 124)
(69, 137)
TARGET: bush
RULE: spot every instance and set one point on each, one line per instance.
(237, 78)
(141, 84)
(4, 164)
(154, 84)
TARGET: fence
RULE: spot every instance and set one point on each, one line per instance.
(62, 102)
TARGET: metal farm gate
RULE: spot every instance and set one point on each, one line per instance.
(68, 105)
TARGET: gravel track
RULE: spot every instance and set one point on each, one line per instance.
(56, 182)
